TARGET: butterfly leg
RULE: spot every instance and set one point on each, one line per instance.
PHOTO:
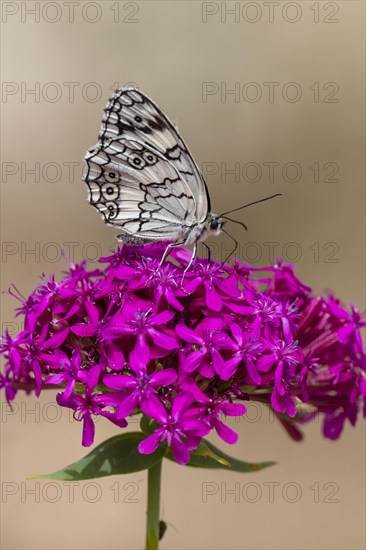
(164, 256)
(168, 250)
(208, 251)
(235, 247)
(194, 253)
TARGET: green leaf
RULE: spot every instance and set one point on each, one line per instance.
(203, 450)
(209, 456)
(117, 455)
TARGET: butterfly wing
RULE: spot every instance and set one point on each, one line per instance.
(130, 114)
(137, 189)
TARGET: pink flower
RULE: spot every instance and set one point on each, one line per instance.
(128, 338)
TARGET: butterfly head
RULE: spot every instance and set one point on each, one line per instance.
(216, 223)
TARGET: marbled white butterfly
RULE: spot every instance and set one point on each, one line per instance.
(143, 179)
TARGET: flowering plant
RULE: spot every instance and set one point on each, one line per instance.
(183, 350)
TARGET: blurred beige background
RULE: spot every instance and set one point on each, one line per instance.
(303, 63)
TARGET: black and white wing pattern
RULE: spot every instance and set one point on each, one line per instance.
(141, 176)
(139, 191)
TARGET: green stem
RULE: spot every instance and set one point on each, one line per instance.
(153, 507)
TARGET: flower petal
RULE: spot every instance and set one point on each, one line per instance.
(163, 340)
(180, 451)
(345, 333)
(227, 434)
(59, 378)
(171, 299)
(76, 358)
(88, 430)
(119, 381)
(84, 330)
(213, 299)
(163, 317)
(192, 361)
(38, 377)
(155, 409)
(116, 359)
(128, 405)
(150, 444)
(120, 422)
(181, 403)
(92, 310)
(56, 340)
(195, 428)
(188, 335)
(69, 388)
(140, 355)
(265, 362)
(163, 377)
(232, 409)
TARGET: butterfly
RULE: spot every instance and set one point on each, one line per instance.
(143, 179)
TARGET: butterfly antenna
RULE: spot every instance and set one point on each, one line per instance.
(235, 247)
(250, 204)
(235, 221)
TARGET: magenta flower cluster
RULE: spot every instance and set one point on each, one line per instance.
(135, 336)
